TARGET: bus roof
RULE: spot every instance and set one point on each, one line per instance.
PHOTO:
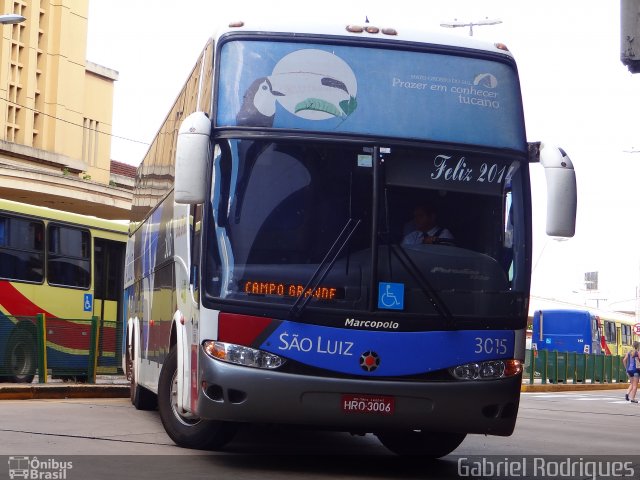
(119, 226)
(427, 37)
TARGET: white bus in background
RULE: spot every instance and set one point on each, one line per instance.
(266, 277)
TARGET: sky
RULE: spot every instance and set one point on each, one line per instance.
(576, 94)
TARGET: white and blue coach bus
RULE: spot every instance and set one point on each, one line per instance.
(266, 275)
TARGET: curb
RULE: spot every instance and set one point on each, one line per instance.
(570, 387)
(31, 392)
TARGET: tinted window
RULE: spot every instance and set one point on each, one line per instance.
(68, 262)
(294, 221)
(626, 334)
(610, 331)
(21, 249)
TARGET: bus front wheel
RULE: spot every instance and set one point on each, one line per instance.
(420, 442)
(184, 429)
(21, 357)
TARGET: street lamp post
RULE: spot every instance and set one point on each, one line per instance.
(479, 23)
(11, 18)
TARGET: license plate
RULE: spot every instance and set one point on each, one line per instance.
(374, 404)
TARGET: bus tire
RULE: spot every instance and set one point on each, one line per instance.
(20, 357)
(187, 431)
(141, 398)
(420, 442)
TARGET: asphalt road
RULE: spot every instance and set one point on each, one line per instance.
(108, 438)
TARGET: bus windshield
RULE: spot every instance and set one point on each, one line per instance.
(309, 220)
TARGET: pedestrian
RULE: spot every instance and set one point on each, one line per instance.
(631, 363)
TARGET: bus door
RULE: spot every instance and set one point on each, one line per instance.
(619, 339)
(596, 337)
(626, 338)
(108, 278)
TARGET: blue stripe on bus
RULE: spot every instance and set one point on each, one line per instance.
(396, 353)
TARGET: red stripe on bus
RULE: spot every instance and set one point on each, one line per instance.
(57, 329)
(240, 329)
(78, 335)
(17, 304)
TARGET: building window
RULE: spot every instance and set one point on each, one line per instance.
(90, 142)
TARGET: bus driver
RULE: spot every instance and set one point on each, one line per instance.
(426, 228)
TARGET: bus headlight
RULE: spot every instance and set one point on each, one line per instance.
(489, 370)
(241, 355)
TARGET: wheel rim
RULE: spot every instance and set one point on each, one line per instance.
(20, 360)
(183, 417)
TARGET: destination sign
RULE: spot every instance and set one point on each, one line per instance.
(280, 289)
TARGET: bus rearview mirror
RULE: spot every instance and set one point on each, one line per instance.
(192, 154)
(562, 200)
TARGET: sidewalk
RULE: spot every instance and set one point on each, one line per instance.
(114, 386)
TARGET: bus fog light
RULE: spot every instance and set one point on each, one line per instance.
(488, 370)
(241, 355)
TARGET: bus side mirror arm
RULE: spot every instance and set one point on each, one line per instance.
(192, 157)
(562, 197)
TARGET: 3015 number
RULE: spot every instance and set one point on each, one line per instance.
(491, 346)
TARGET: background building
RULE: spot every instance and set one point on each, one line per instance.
(55, 113)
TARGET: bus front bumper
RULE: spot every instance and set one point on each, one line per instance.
(241, 394)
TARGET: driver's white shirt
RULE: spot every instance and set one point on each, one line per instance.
(416, 237)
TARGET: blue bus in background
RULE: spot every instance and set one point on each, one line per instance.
(566, 331)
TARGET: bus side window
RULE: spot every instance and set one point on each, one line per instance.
(69, 255)
(610, 331)
(626, 334)
(21, 253)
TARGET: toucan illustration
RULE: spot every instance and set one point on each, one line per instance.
(259, 104)
(310, 84)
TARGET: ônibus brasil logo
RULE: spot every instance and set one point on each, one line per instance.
(34, 468)
(369, 361)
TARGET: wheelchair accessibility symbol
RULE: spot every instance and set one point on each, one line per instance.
(391, 296)
(88, 302)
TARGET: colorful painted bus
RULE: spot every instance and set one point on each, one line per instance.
(68, 267)
(266, 277)
(618, 332)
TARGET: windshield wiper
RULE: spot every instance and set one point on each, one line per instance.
(325, 266)
(424, 284)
